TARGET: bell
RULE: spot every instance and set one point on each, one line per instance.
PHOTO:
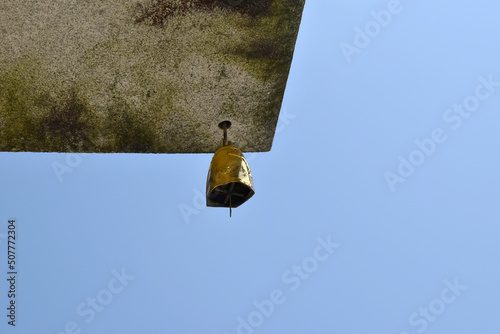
(229, 181)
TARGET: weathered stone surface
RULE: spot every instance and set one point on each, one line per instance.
(143, 76)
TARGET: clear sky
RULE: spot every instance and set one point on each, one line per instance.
(376, 211)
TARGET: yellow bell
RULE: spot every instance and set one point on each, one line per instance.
(229, 181)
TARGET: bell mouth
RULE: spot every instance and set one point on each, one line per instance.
(232, 194)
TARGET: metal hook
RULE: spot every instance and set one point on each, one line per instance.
(224, 126)
(224, 129)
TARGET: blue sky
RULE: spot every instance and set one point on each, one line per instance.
(376, 211)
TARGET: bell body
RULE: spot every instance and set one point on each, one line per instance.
(229, 181)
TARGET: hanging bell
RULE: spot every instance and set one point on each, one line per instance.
(229, 181)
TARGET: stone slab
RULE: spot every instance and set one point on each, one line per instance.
(143, 76)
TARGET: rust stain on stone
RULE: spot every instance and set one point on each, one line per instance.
(157, 13)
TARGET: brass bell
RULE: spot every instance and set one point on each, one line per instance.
(229, 181)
